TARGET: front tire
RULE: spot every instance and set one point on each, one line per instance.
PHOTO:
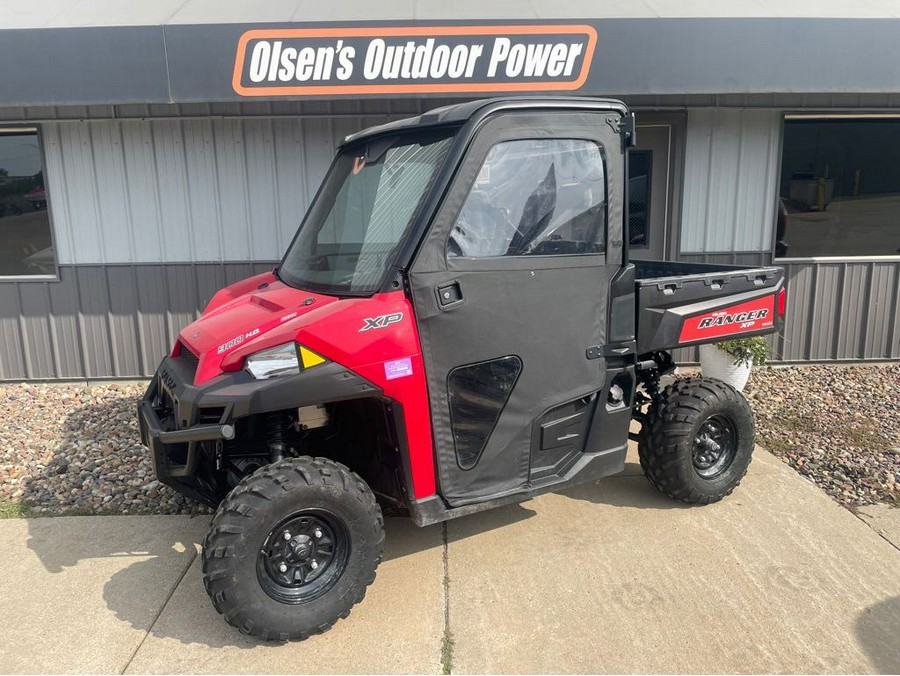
(697, 441)
(293, 548)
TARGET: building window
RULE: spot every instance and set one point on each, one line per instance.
(26, 247)
(840, 187)
(534, 197)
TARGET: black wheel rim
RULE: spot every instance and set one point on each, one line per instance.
(303, 556)
(714, 446)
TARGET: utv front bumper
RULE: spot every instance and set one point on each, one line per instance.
(175, 452)
(187, 426)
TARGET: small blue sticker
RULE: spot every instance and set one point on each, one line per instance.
(399, 368)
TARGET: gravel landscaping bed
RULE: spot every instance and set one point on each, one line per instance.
(839, 426)
(75, 449)
(72, 449)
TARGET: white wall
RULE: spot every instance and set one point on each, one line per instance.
(731, 169)
(235, 189)
(178, 190)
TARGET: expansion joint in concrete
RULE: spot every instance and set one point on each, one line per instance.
(162, 607)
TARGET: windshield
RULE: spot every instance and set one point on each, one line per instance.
(364, 210)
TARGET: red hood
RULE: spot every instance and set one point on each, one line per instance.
(262, 312)
(244, 314)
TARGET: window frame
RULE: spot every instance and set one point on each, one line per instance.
(822, 115)
(18, 127)
(487, 262)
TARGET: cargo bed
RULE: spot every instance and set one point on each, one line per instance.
(681, 304)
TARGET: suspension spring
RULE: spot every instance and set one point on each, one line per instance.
(277, 426)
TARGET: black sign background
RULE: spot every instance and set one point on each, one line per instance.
(187, 63)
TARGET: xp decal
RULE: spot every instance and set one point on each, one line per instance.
(753, 315)
(412, 59)
(381, 321)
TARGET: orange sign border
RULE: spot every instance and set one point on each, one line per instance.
(428, 31)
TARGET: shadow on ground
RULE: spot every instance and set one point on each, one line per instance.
(100, 455)
(629, 489)
(137, 592)
(878, 632)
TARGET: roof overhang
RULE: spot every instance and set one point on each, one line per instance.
(175, 62)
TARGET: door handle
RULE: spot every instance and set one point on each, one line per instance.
(449, 294)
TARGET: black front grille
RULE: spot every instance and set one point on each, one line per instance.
(189, 359)
(210, 415)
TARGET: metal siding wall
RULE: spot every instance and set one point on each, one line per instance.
(841, 311)
(836, 311)
(119, 320)
(882, 335)
(159, 191)
(730, 172)
(12, 347)
(102, 321)
(183, 190)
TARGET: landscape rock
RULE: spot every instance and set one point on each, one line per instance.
(70, 448)
(836, 425)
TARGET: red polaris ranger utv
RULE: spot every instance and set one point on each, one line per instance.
(456, 326)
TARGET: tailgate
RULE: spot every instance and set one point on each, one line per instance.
(682, 304)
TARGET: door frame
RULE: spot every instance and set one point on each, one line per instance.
(676, 121)
(432, 268)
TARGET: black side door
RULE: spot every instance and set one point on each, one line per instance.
(511, 291)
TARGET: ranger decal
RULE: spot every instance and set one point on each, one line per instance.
(753, 315)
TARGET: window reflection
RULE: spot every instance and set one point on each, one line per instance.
(26, 247)
(840, 188)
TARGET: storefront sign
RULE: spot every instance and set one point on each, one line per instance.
(413, 60)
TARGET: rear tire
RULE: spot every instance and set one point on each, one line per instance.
(697, 441)
(293, 548)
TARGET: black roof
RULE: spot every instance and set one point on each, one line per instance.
(461, 112)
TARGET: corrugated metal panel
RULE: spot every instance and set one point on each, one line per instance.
(729, 257)
(105, 321)
(881, 336)
(12, 347)
(179, 190)
(841, 311)
(730, 171)
(844, 310)
(119, 320)
(64, 333)
(35, 329)
(794, 339)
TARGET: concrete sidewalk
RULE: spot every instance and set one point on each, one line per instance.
(609, 577)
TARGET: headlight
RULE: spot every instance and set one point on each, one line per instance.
(282, 360)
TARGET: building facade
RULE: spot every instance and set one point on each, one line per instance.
(148, 160)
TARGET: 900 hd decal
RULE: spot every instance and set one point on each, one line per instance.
(237, 340)
(754, 315)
